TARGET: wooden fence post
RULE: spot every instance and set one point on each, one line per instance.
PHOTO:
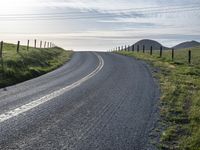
(143, 48)
(138, 48)
(189, 56)
(35, 43)
(1, 50)
(172, 54)
(1, 55)
(18, 44)
(133, 48)
(45, 44)
(161, 49)
(151, 50)
(40, 44)
(28, 45)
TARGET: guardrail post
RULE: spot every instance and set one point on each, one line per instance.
(161, 49)
(172, 54)
(189, 56)
(18, 44)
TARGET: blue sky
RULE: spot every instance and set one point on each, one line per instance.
(100, 24)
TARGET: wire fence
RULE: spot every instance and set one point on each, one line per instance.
(36, 44)
(161, 52)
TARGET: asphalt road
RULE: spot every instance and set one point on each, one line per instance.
(100, 101)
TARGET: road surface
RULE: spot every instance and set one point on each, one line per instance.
(100, 101)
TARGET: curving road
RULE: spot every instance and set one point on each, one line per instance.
(100, 101)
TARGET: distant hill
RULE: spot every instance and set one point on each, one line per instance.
(148, 43)
(188, 44)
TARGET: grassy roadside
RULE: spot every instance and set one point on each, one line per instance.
(180, 101)
(30, 63)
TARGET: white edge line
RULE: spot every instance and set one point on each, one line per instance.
(22, 109)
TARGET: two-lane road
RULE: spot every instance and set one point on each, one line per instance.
(96, 101)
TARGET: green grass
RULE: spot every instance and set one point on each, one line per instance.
(30, 63)
(180, 100)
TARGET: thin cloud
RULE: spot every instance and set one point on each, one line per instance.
(109, 22)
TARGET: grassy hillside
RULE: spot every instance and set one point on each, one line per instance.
(180, 100)
(25, 65)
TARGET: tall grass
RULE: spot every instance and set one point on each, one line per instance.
(30, 63)
(180, 100)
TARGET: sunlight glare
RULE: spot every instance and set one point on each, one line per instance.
(16, 6)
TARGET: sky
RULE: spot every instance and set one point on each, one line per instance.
(99, 25)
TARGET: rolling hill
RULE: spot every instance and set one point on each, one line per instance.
(148, 43)
(188, 44)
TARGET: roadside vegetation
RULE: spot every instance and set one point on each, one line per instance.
(180, 99)
(27, 64)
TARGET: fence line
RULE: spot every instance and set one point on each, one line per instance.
(132, 48)
(50, 45)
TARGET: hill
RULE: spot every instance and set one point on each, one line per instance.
(27, 64)
(148, 43)
(188, 44)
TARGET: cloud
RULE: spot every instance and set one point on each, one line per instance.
(118, 21)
